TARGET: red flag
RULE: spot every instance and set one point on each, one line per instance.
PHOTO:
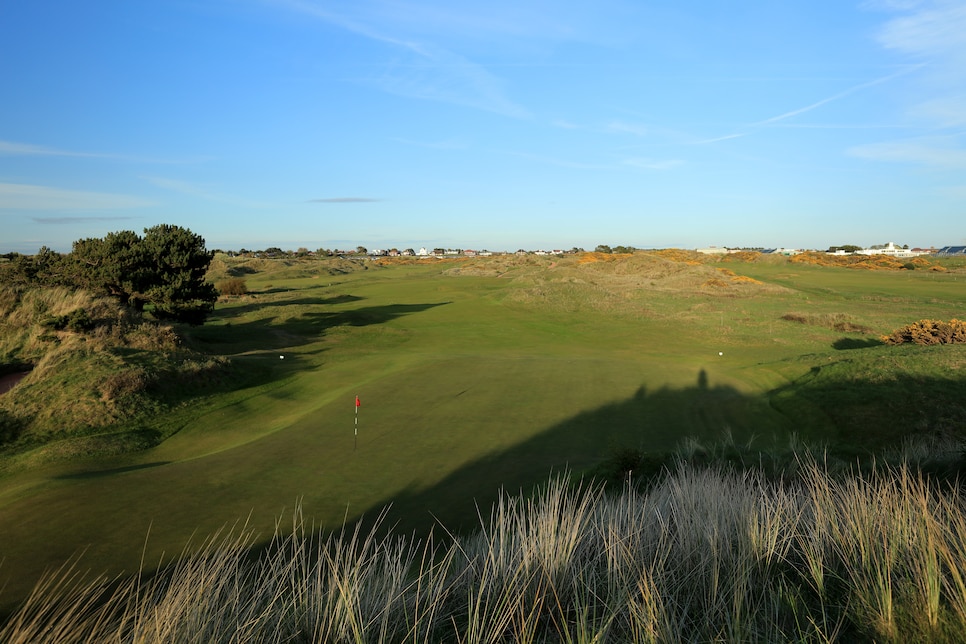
(358, 404)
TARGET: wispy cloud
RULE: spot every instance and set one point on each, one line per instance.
(956, 192)
(183, 187)
(935, 32)
(943, 112)
(201, 191)
(637, 129)
(446, 144)
(835, 97)
(22, 196)
(934, 29)
(507, 21)
(417, 67)
(432, 73)
(564, 124)
(15, 148)
(716, 139)
(932, 32)
(561, 163)
(344, 200)
(12, 148)
(933, 151)
(76, 220)
(653, 164)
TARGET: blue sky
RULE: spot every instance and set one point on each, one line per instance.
(502, 124)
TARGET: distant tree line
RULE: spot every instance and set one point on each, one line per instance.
(274, 252)
(618, 250)
(163, 271)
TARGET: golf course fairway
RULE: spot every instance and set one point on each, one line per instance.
(469, 381)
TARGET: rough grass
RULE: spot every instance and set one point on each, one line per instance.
(703, 554)
(621, 284)
(85, 382)
(843, 322)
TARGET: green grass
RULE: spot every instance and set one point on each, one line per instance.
(476, 380)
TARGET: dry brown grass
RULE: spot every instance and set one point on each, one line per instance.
(836, 321)
(863, 262)
(621, 283)
(82, 379)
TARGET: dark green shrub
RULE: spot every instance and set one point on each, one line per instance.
(77, 321)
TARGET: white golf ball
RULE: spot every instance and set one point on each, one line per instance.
(281, 357)
(721, 353)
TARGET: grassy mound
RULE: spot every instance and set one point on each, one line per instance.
(623, 284)
(223, 267)
(95, 370)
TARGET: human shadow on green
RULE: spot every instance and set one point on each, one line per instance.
(655, 421)
(850, 422)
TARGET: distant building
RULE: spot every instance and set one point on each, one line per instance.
(951, 251)
(890, 250)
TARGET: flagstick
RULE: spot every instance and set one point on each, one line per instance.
(355, 436)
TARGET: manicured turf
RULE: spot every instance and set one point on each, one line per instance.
(468, 384)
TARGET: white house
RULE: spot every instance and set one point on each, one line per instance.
(889, 249)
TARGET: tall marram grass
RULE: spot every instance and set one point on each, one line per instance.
(701, 555)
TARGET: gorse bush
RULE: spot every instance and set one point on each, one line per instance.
(929, 332)
(704, 555)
